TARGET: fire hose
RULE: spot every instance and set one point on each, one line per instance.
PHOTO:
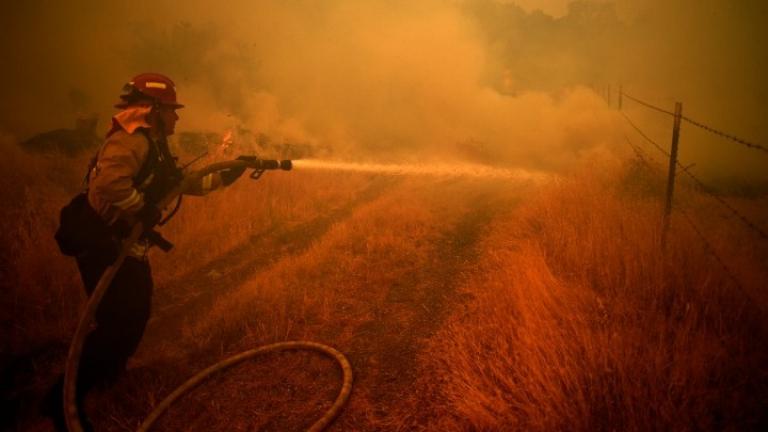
(71, 408)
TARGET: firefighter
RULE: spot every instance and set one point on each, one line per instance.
(132, 171)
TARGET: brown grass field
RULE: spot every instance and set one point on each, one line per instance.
(463, 304)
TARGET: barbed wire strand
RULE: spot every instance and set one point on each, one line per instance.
(711, 250)
(724, 203)
(636, 150)
(648, 105)
(644, 157)
(704, 188)
(647, 138)
(707, 244)
(725, 135)
(710, 129)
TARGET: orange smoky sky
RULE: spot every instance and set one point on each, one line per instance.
(501, 81)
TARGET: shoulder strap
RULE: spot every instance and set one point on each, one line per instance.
(150, 162)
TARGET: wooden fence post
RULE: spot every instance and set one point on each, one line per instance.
(672, 169)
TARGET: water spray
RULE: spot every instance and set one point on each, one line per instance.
(425, 169)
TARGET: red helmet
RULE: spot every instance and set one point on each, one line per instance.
(154, 86)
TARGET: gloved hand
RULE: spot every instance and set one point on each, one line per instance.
(229, 176)
(149, 216)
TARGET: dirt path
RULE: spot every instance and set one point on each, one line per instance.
(384, 350)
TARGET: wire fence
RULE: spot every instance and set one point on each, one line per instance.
(646, 161)
(644, 135)
(728, 136)
(702, 186)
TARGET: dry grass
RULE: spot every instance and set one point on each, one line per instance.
(337, 291)
(571, 318)
(38, 294)
(209, 226)
(334, 271)
(41, 291)
(579, 323)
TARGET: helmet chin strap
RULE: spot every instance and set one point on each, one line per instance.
(157, 121)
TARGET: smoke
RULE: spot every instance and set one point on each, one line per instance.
(710, 56)
(481, 80)
(707, 54)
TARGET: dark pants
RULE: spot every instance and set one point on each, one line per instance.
(121, 318)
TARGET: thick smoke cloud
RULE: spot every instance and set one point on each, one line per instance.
(480, 79)
(707, 54)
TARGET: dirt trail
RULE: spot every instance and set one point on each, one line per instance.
(384, 351)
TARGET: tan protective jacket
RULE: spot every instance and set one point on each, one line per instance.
(110, 185)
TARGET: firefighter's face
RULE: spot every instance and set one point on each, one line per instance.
(167, 115)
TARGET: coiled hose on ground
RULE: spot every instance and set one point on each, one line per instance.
(76, 347)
